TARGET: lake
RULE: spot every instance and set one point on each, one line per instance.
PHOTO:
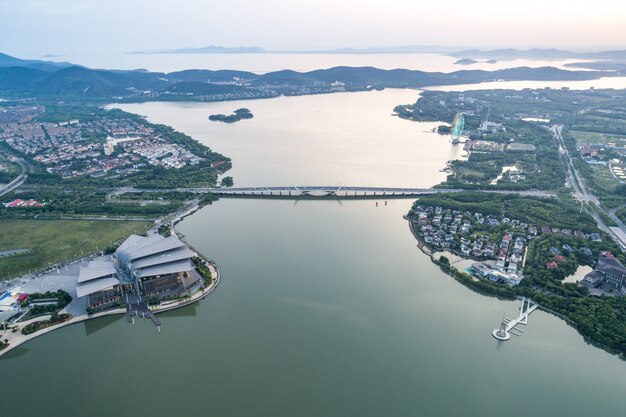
(327, 139)
(325, 308)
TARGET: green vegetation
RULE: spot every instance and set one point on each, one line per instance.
(601, 320)
(86, 195)
(203, 270)
(40, 325)
(597, 137)
(561, 213)
(237, 115)
(444, 130)
(602, 183)
(88, 85)
(227, 182)
(52, 241)
(542, 167)
(62, 299)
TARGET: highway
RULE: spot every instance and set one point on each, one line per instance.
(594, 206)
(17, 181)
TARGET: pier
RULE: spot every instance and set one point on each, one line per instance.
(509, 327)
(136, 306)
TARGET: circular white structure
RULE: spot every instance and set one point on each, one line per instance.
(501, 335)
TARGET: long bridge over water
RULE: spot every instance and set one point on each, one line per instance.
(296, 191)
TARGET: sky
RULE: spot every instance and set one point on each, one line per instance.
(34, 28)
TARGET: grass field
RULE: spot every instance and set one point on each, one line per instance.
(51, 241)
(596, 137)
(603, 177)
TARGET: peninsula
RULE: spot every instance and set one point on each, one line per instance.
(568, 142)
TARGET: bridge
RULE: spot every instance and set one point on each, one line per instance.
(342, 192)
(326, 191)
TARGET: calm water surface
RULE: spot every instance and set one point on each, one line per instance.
(328, 139)
(325, 308)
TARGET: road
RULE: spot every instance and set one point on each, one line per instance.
(17, 181)
(322, 191)
(580, 192)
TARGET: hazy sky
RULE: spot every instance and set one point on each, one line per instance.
(32, 28)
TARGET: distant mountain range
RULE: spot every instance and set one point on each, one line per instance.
(258, 50)
(504, 54)
(10, 61)
(207, 50)
(458, 52)
(42, 79)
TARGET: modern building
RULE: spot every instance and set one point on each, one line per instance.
(608, 276)
(98, 281)
(484, 270)
(157, 265)
(146, 266)
(9, 306)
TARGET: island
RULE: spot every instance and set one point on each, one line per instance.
(469, 61)
(237, 115)
(466, 61)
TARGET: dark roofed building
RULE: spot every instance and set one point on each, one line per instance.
(609, 274)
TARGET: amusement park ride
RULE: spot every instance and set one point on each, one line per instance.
(457, 127)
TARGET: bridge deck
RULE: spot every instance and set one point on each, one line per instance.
(329, 191)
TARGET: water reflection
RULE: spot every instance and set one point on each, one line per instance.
(95, 325)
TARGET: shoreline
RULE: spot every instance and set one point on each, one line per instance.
(568, 321)
(196, 297)
(420, 243)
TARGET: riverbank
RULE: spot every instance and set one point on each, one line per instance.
(420, 242)
(16, 339)
(491, 290)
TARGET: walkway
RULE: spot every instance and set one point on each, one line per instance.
(508, 327)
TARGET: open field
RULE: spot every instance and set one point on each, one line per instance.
(596, 137)
(603, 178)
(51, 241)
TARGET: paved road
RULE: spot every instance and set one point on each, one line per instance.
(17, 181)
(581, 193)
(320, 191)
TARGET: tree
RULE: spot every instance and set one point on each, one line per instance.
(227, 182)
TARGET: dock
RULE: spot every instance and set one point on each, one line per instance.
(509, 327)
(137, 307)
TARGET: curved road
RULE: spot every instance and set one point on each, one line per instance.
(17, 181)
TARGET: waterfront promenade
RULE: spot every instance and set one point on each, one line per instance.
(16, 339)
